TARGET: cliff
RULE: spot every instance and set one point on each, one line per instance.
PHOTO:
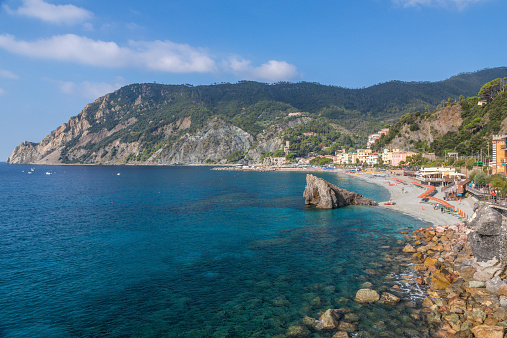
(149, 124)
(428, 129)
(325, 195)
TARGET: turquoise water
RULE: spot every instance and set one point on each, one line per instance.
(186, 252)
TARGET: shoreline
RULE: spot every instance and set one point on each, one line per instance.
(407, 202)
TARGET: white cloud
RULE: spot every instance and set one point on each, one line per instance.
(276, 71)
(167, 56)
(5, 74)
(459, 4)
(163, 56)
(58, 14)
(87, 89)
(66, 87)
(272, 71)
(93, 90)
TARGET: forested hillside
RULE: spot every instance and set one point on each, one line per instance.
(166, 124)
(468, 128)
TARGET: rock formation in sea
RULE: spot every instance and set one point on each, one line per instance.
(325, 195)
(488, 236)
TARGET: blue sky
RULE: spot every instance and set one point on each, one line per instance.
(58, 55)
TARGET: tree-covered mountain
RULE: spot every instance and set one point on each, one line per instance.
(167, 124)
(465, 126)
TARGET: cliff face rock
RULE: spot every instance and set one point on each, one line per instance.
(325, 195)
(488, 236)
(214, 141)
(138, 124)
(437, 125)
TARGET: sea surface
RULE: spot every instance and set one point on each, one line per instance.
(116, 251)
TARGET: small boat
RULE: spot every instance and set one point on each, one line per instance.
(118, 174)
(48, 173)
(389, 203)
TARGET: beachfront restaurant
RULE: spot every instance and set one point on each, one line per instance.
(439, 175)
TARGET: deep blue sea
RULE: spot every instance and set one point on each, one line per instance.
(92, 251)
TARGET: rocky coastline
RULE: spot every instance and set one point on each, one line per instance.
(459, 271)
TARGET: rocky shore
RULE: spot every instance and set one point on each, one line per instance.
(466, 297)
(458, 269)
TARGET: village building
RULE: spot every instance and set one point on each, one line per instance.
(401, 156)
(372, 159)
(286, 148)
(498, 165)
(387, 155)
(439, 175)
(374, 137)
(362, 154)
(275, 161)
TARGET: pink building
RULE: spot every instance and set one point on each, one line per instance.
(396, 158)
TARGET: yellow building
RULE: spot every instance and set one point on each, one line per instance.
(362, 154)
(387, 155)
(499, 154)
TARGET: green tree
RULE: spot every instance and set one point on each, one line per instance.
(489, 90)
(481, 178)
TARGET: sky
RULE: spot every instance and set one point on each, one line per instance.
(56, 56)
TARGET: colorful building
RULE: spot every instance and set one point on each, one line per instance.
(398, 157)
(499, 164)
(387, 155)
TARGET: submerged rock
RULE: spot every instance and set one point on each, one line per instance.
(329, 319)
(389, 298)
(297, 331)
(485, 331)
(325, 195)
(367, 296)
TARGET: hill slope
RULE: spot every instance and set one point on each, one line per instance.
(169, 124)
(464, 127)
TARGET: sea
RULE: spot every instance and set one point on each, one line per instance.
(140, 251)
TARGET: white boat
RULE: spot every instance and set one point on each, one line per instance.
(48, 173)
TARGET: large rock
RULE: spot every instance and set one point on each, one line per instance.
(488, 236)
(330, 319)
(485, 331)
(367, 296)
(325, 195)
(389, 299)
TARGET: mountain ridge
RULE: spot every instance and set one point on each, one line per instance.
(184, 124)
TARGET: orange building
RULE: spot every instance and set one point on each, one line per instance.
(499, 154)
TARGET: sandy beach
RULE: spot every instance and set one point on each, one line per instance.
(405, 197)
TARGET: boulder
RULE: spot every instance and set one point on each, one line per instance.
(367, 296)
(409, 249)
(486, 331)
(494, 284)
(389, 299)
(439, 281)
(325, 195)
(482, 276)
(488, 236)
(297, 331)
(340, 334)
(329, 320)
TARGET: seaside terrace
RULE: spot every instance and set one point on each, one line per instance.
(434, 175)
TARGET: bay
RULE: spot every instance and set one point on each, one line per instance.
(186, 252)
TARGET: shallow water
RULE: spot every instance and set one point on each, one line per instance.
(189, 252)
